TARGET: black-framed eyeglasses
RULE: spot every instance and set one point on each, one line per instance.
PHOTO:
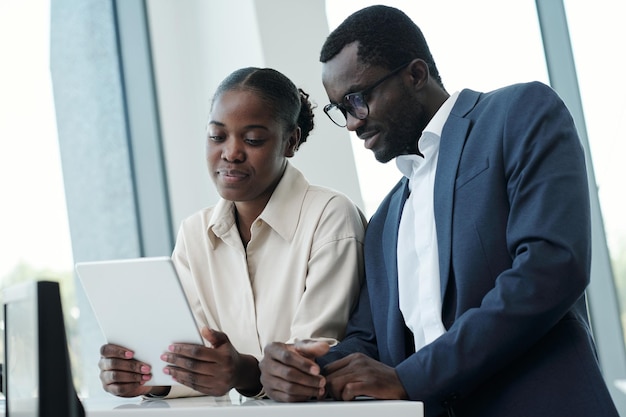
(355, 103)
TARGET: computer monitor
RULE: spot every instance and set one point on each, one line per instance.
(37, 375)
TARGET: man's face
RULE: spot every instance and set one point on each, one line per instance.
(396, 117)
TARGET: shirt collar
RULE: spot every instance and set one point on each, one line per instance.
(439, 119)
(281, 212)
(429, 140)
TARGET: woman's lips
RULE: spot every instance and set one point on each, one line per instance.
(232, 175)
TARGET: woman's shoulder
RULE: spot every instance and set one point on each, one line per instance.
(200, 219)
(329, 195)
(333, 203)
(315, 197)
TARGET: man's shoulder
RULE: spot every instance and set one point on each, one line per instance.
(395, 194)
(500, 100)
(527, 89)
(522, 86)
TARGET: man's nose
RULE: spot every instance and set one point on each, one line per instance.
(353, 123)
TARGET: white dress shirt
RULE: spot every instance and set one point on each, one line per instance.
(418, 259)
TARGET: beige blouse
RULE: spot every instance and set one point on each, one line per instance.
(299, 276)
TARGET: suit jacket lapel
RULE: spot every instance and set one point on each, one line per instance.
(453, 137)
(395, 322)
(390, 237)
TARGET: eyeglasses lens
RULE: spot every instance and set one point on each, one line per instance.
(337, 115)
(355, 105)
(358, 107)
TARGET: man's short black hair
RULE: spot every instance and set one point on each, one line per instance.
(387, 37)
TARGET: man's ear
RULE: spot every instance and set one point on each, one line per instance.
(418, 68)
(293, 142)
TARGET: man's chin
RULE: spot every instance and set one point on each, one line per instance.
(382, 156)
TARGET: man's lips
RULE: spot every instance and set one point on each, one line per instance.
(370, 138)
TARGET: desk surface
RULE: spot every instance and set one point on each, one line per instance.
(233, 407)
(237, 406)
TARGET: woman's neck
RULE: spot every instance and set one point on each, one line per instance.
(246, 212)
(244, 219)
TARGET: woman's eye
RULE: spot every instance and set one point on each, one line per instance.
(216, 138)
(254, 142)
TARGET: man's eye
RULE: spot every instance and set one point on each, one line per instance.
(216, 138)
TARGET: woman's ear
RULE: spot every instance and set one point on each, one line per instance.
(293, 142)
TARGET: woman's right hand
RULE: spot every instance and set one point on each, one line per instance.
(124, 376)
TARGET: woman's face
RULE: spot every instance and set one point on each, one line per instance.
(247, 147)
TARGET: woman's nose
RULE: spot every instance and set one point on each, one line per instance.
(233, 151)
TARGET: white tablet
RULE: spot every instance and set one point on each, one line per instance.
(140, 304)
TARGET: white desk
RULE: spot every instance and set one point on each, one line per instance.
(227, 407)
(238, 407)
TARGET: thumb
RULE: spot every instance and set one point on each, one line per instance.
(311, 348)
(214, 337)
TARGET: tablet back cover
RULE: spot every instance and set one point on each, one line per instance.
(140, 305)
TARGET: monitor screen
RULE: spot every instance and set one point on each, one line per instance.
(37, 373)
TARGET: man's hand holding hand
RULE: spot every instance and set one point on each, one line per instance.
(289, 372)
(359, 375)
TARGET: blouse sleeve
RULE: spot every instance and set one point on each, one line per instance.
(335, 273)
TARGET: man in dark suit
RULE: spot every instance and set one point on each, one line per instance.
(476, 262)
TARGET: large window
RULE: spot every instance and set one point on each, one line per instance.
(34, 221)
(597, 33)
(35, 239)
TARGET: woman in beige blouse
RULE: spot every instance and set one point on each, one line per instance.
(276, 259)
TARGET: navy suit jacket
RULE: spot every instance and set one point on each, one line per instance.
(513, 229)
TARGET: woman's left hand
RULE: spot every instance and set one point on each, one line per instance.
(212, 370)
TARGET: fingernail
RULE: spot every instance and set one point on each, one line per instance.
(145, 369)
(145, 377)
(128, 354)
(166, 371)
(164, 357)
